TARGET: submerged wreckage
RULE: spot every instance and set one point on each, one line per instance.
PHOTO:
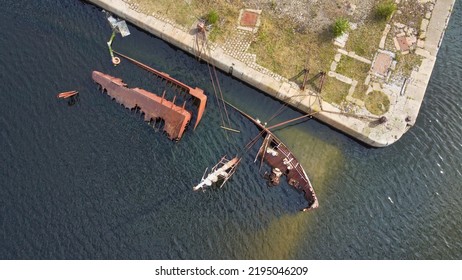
(220, 173)
(155, 108)
(197, 93)
(276, 154)
(176, 118)
(282, 162)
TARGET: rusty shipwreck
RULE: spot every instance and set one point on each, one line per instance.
(154, 107)
(282, 161)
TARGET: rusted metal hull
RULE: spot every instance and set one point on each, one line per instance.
(67, 94)
(195, 92)
(276, 154)
(176, 118)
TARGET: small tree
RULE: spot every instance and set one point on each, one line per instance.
(212, 17)
(385, 9)
(340, 26)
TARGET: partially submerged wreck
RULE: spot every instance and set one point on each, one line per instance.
(282, 162)
(154, 107)
(197, 93)
(219, 174)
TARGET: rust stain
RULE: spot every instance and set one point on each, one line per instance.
(249, 19)
(403, 43)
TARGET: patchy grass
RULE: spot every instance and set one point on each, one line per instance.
(377, 103)
(353, 68)
(365, 40)
(335, 91)
(360, 91)
(412, 13)
(224, 13)
(406, 63)
(285, 51)
(181, 12)
(356, 70)
(282, 47)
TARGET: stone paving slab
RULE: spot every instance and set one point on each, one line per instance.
(437, 25)
(382, 64)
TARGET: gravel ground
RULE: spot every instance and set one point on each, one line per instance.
(314, 15)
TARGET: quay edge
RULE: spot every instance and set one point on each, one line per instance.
(401, 116)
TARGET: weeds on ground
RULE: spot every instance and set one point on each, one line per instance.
(365, 40)
(341, 26)
(283, 50)
(385, 9)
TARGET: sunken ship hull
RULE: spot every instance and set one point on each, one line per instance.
(154, 107)
(283, 163)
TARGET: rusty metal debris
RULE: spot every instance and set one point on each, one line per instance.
(71, 96)
(195, 92)
(282, 162)
(176, 118)
(67, 94)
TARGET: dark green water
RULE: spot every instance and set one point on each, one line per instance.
(93, 181)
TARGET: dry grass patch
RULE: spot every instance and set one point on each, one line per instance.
(377, 103)
(186, 13)
(406, 63)
(412, 13)
(360, 91)
(335, 91)
(353, 68)
(365, 40)
(182, 13)
(285, 51)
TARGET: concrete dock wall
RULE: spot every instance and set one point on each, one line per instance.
(367, 131)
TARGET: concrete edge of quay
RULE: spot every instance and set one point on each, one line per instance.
(399, 118)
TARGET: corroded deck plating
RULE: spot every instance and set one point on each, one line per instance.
(276, 154)
(176, 118)
(195, 92)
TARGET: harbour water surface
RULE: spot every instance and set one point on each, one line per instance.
(93, 181)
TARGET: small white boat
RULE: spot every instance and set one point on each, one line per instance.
(219, 174)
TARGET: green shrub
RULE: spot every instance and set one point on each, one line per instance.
(340, 26)
(212, 17)
(385, 9)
